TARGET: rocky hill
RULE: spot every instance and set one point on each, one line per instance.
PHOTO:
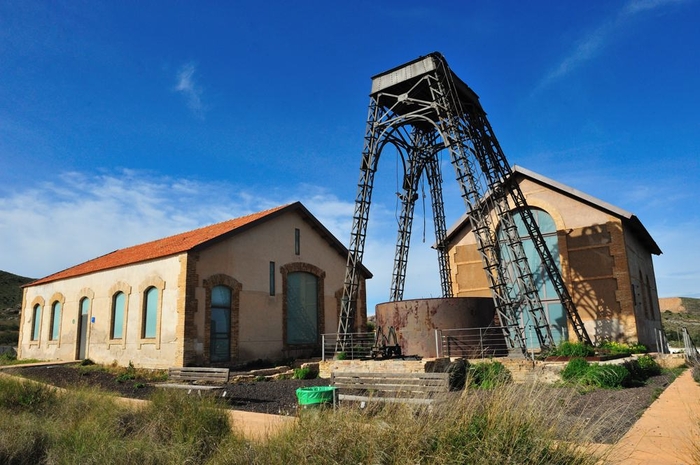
(11, 289)
(678, 313)
(10, 304)
(680, 305)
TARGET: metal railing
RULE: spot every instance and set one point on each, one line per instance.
(357, 345)
(471, 343)
(484, 342)
(692, 356)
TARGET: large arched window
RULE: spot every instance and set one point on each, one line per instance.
(118, 306)
(150, 313)
(36, 322)
(55, 321)
(553, 308)
(220, 328)
(302, 308)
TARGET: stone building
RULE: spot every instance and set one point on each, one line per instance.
(263, 286)
(604, 254)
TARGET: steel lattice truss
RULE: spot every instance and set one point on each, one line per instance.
(422, 108)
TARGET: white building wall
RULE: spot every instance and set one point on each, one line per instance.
(159, 352)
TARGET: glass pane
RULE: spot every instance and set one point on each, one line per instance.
(302, 308)
(84, 306)
(220, 334)
(118, 316)
(544, 285)
(56, 320)
(37, 323)
(221, 297)
(149, 321)
(557, 320)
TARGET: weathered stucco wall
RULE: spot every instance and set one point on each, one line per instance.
(599, 261)
(162, 351)
(247, 259)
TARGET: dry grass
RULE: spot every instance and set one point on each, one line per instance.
(513, 424)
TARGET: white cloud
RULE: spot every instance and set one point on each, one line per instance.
(636, 6)
(187, 86)
(590, 45)
(50, 227)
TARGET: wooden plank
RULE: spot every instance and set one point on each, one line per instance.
(199, 374)
(412, 388)
(407, 400)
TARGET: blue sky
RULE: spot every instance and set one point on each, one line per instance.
(122, 122)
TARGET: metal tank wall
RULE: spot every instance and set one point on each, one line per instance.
(415, 321)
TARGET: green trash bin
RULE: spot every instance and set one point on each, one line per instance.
(315, 396)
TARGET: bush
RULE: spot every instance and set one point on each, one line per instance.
(620, 348)
(649, 366)
(575, 369)
(26, 395)
(304, 373)
(573, 349)
(580, 371)
(605, 376)
(487, 375)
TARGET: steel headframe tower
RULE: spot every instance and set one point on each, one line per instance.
(422, 108)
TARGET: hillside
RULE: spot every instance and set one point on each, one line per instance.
(679, 312)
(10, 303)
(10, 289)
(680, 305)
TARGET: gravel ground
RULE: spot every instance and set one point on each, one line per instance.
(612, 411)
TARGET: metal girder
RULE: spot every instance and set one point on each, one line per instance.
(423, 108)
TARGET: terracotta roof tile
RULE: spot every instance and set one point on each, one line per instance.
(159, 248)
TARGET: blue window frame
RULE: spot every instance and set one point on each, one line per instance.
(55, 321)
(302, 308)
(118, 306)
(220, 328)
(36, 322)
(150, 313)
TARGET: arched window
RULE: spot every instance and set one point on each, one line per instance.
(36, 322)
(150, 313)
(545, 288)
(220, 328)
(302, 308)
(81, 348)
(55, 321)
(118, 305)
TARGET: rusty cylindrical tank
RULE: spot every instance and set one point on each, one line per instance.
(415, 321)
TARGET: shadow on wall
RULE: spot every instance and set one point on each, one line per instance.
(592, 271)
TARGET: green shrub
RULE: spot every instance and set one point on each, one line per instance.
(304, 373)
(638, 349)
(487, 375)
(29, 396)
(621, 348)
(8, 358)
(605, 376)
(649, 366)
(575, 369)
(573, 349)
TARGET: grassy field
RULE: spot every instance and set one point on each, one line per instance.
(39, 425)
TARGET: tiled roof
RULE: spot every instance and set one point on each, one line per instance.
(160, 248)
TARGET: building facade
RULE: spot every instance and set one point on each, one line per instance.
(263, 286)
(604, 254)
